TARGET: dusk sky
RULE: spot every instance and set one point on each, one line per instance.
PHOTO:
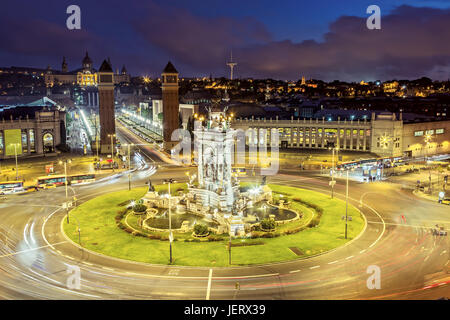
(321, 39)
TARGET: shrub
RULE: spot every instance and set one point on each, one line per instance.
(139, 208)
(200, 229)
(215, 238)
(120, 214)
(256, 234)
(268, 224)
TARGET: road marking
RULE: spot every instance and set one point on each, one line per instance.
(28, 250)
(106, 268)
(294, 271)
(426, 258)
(208, 291)
(349, 257)
(362, 251)
(174, 272)
(315, 267)
(332, 262)
(443, 252)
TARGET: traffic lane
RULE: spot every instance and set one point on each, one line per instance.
(140, 144)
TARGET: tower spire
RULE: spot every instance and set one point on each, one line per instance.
(231, 64)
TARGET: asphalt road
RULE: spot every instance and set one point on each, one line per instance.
(35, 255)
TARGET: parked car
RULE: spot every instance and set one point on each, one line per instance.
(445, 201)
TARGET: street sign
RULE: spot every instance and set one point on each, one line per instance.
(171, 237)
(332, 183)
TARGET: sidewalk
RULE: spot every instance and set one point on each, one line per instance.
(31, 169)
(426, 196)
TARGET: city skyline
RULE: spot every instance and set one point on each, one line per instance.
(332, 44)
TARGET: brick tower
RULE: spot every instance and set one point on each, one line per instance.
(106, 106)
(170, 104)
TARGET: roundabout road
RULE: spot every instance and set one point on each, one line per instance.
(35, 254)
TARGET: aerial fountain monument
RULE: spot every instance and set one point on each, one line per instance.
(213, 194)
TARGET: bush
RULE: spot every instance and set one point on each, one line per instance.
(139, 208)
(120, 214)
(268, 224)
(200, 229)
(215, 238)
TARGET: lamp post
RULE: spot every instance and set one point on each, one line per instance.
(428, 138)
(65, 162)
(346, 207)
(96, 137)
(129, 167)
(15, 155)
(332, 182)
(112, 136)
(169, 182)
(229, 247)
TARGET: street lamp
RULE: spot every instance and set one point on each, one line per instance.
(112, 136)
(346, 207)
(65, 162)
(129, 167)
(169, 182)
(332, 182)
(427, 139)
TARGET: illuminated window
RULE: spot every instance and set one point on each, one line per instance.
(439, 131)
(418, 133)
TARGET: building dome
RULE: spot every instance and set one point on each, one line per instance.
(87, 62)
(87, 59)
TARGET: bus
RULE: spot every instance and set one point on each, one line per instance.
(57, 180)
(11, 187)
(239, 171)
(81, 178)
(347, 165)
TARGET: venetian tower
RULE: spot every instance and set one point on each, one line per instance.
(106, 107)
(170, 104)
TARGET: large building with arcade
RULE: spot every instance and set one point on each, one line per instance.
(382, 133)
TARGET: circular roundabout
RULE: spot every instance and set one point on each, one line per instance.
(294, 224)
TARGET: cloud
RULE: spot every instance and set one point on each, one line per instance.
(409, 45)
(198, 41)
(412, 43)
(37, 38)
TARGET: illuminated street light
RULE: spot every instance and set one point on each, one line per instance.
(65, 162)
(169, 182)
(428, 138)
(129, 166)
(112, 136)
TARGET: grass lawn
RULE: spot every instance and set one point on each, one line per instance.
(100, 233)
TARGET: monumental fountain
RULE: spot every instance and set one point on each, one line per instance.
(213, 195)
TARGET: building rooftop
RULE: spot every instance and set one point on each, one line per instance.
(105, 67)
(170, 68)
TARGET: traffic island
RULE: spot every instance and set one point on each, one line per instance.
(110, 227)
